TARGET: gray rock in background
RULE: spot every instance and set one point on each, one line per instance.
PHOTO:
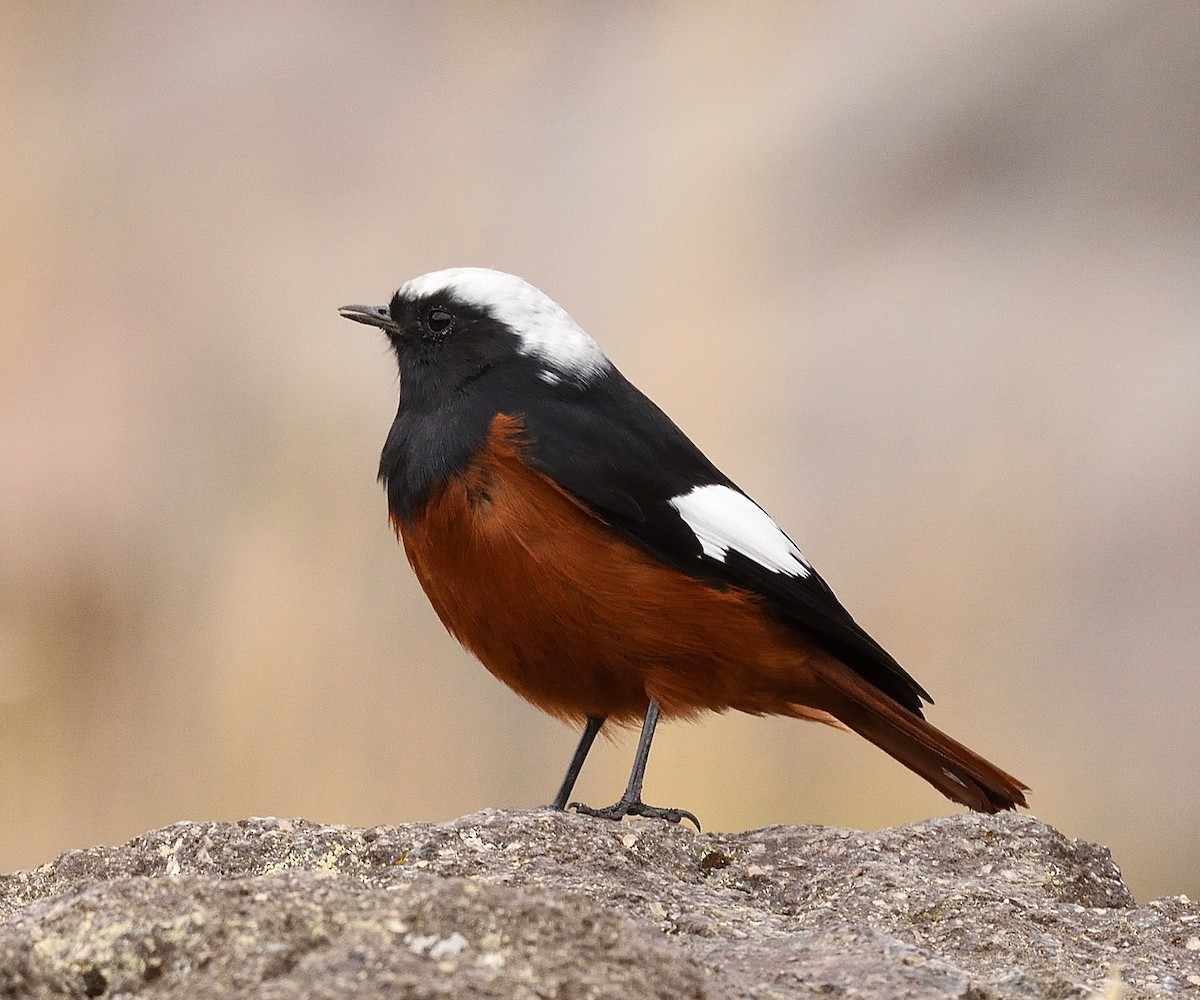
(542, 904)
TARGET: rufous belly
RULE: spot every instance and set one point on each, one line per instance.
(579, 621)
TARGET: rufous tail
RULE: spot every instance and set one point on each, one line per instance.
(953, 769)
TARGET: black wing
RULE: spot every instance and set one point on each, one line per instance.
(611, 447)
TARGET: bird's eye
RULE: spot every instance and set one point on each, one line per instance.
(439, 321)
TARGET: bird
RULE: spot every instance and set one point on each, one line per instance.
(574, 539)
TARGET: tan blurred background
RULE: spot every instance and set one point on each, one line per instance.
(923, 277)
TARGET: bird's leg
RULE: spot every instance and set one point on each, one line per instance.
(594, 722)
(631, 803)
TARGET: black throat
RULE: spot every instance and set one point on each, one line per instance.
(425, 448)
(437, 434)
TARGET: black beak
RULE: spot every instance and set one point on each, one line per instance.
(371, 315)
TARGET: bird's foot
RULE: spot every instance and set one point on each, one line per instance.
(619, 810)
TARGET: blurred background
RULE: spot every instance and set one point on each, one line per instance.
(924, 278)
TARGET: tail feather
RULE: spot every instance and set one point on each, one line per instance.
(953, 769)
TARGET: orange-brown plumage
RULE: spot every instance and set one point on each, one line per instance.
(578, 621)
(574, 618)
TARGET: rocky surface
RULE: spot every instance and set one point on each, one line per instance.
(541, 904)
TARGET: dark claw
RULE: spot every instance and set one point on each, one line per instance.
(614, 812)
(619, 810)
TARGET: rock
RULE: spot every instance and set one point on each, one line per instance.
(543, 904)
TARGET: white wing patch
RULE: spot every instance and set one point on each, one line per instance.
(545, 329)
(722, 519)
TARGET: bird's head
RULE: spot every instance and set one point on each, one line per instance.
(450, 328)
